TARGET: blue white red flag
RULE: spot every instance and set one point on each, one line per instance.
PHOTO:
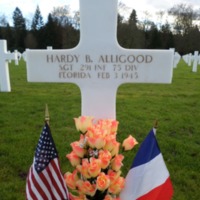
(148, 178)
(45, 180)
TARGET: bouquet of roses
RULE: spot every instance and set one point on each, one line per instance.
(96, 159)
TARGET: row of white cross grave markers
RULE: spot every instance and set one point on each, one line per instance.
(98, 65)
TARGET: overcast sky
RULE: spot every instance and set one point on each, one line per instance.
(28, 7)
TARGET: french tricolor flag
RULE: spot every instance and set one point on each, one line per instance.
(148, 178)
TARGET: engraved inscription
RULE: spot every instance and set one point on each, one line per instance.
(104, 67)
(125, 59)
(68, 58)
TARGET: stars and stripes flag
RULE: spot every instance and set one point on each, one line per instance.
(148, 178)
(45, 180)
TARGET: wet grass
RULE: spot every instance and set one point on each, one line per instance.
(176, 107)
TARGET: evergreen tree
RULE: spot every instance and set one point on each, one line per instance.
(37, 22)
(154, 37)
(133, 19)
(3, 23)
(133, 36)
(35, 38)
(166, 36)
(6, 31)
(122, 29)
(19, 23)
(52, 31)
(192, 39)
(18, 20)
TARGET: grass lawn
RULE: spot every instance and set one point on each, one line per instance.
(176, 107)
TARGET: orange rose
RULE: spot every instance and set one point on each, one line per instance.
(113, 175)
(74, 159)
(94, 167)
(116, 162)
(114, 126)
(90, 131)
(105, 157)
(83, 169)
(110, 126)
(88, 188)
(94, 131)
(103, 181)
(115, 149)
(108, 197)
(96, 142)
(74, 197)
(129, 143)
(70, 179)
(77, 149)
(95, 137)
(105, 125)
(109, 142)
(79, 185)
(83, 122)
(85, 187)
(117, 186)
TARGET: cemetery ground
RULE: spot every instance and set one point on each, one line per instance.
(176, 106)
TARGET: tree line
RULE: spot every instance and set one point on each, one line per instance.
(62, 30)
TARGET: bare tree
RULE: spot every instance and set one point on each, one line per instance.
(76, 20)
(124, 10)
(62, 15)
(146, 23)
(160, 15)
(3, 20)
(184, 16)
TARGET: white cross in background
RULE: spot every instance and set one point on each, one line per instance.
(5, 57)
(195, 61)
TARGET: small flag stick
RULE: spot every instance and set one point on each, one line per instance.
(47, 118)
(155, 124)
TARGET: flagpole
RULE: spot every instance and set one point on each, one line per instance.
(47, 118)
(155, 124)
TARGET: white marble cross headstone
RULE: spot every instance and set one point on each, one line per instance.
(195, 61)
(186, 58)
(190, 59)
(98, 65)
(5, 57)
(177, 58)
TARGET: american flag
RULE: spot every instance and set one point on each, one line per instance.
(45, 180)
